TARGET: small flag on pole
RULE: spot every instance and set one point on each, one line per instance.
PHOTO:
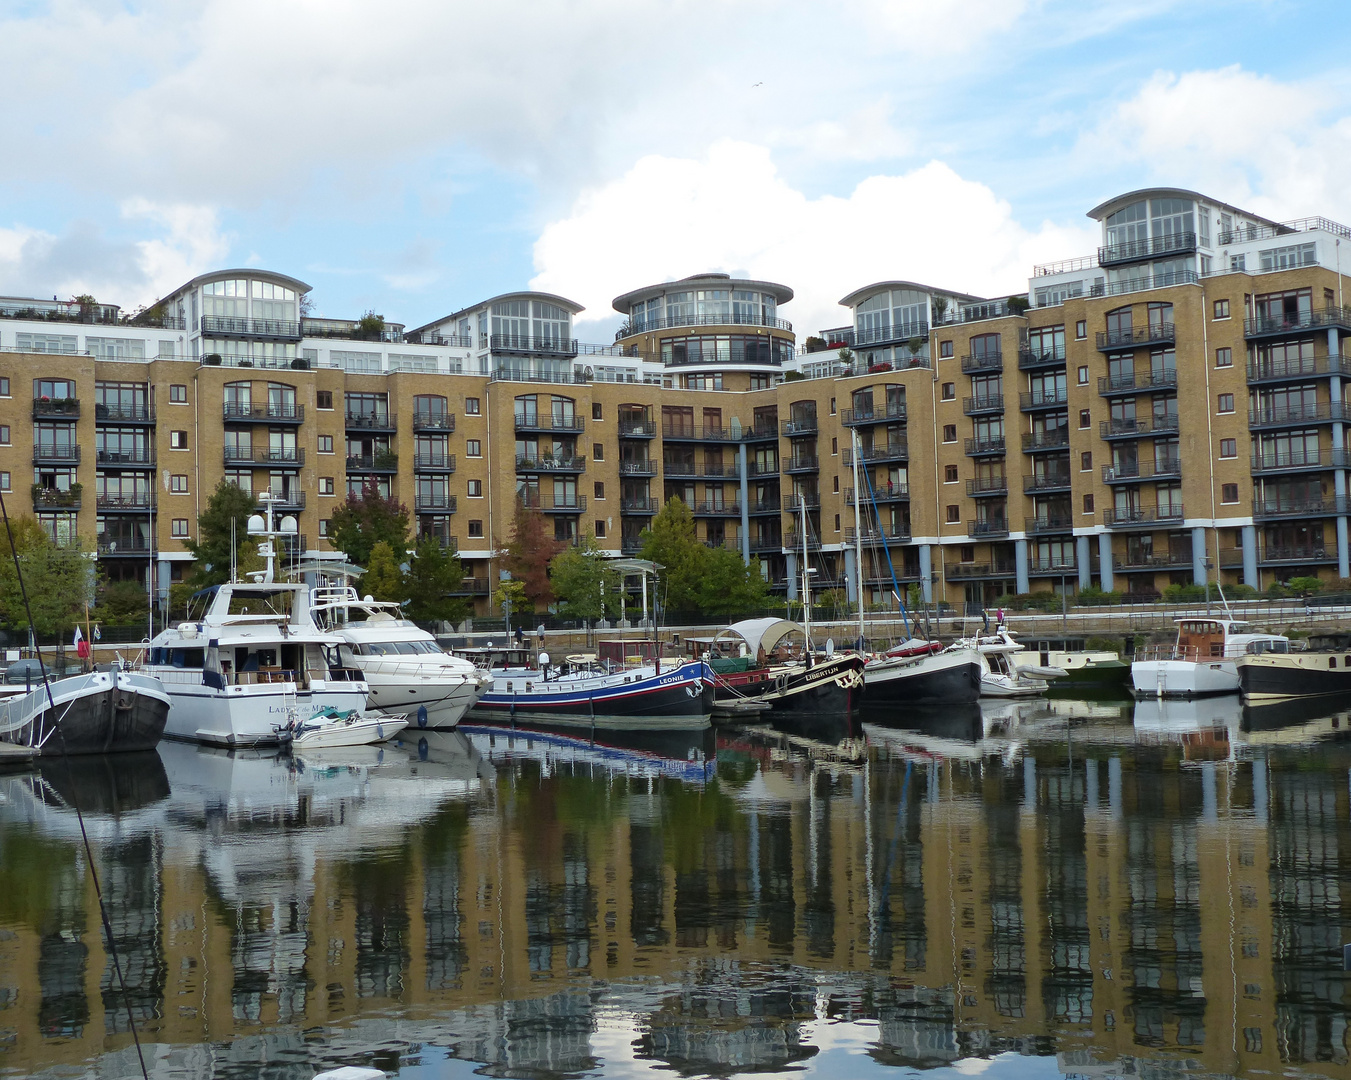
(81, 646)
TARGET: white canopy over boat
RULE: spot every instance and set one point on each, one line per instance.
(760, 633)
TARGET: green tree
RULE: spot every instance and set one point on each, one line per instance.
(383, 579)
(59, 580)
(120, 603)
(672, 543)
(729, 586)
(516, 591)
(433, 574)
(362, 521)
(531, 549)
(584, 585)
(211, 549)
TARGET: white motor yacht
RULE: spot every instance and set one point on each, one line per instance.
(1203, 659)
(404, 667)
(1000, 676)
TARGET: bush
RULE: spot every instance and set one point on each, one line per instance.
(1184, 594)
(1304, 584)
(1241, 592)
(1277, 591)
(212, 359)
(1102, 644)
(1094, 595)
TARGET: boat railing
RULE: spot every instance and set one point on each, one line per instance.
(24, 715)
(1187, 653)
(261, 677)
(406, 665)
(346, 674)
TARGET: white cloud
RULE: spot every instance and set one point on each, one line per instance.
(193, 242)
(731, 210)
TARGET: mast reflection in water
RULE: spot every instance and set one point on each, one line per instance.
(1107, 889)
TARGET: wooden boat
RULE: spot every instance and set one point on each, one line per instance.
(767, 662)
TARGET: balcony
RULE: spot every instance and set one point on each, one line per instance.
(136, 547)
(1038, 442)
(637, 467)
(762, 433)
(695, 433)
(991, 403)
(1266, 510)
(1137, 428)
(798, 500)
(56, 455)
(233, 412)
(472, 586)
(977, 365)
(630, 545)
(567, 425)
(379, 422)
(985, 447)
(1301, 555)
(639, 504)
(1139, 250)
(434, 461)
(726, 318)
(874, 535)
(800, 425)
(1046, 483)
(884, 493)
(984, 486)
(977, 571)
(1302, 322)
(1030, 359)
(554, 504)
(437, 533)
(635, 428)
(1041, 400)
(807, 463)
(1266, 461)
(138, 502)
(1140, 518)
(124, 414)
(529, 346)
(1140, 471)
(1173, 560)
(1048, 523)
(226, 326)
(56, 408)
(386, 462)
(433, 422)
(1065, 567)
(687, 469)
(1141, 337)
(287, 502)
(893, 411)
(716, 509)
(792, 540)
(1297, 370)
(728, 543)
(54, 499)
(764, 506)
(1138, 383)
(989, 529)
(762, 468)
(434, 503)
(766, 543)
(1265, 417)
(138, 458)
(879, 454)
(574, 464)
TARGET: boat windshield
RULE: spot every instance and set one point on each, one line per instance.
(397, 648)
(1268, 645)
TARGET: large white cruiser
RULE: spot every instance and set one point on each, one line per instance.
(1203, 659)
(404, 667)
(252, 667)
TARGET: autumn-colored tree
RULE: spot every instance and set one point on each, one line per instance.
(529, 552)
(360, 522)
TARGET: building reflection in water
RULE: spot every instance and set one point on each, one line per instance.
(1126, 890)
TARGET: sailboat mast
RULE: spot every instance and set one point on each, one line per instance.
(806, 572)
(858, 535)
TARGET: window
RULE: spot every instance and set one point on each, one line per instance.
(967, 553)
(323, 527)
(178, 484)
(1226, 403)
(837, 485)
(1081, 329)
(950, 474)
(1229, 493)
(600, 525)
(1221, 309)
(1224, 357)
(178, 393)
(834, 447)
(832, 406)
(1088, 504)
(600, 489)
(476, 489)
(475, 528)
(954, 513)
(598, 451)
(473, 448)
(945, 349)
(325, 485)
(837, 522)
(178, 440)
(949, 432)
(949, 391)
(179, 527)
(4, 434)
(1085, 420)
(4, 481)
(1086, 461)
(595, 415)
(1228, 448)
(323, 399)
(325, 444)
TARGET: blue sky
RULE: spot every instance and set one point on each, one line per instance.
(413, 157)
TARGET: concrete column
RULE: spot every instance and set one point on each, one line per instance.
(1020, 566)
(1105, 560)
(1114, 786)
(853, 586)
(792, 575)
(1091, 786)
(1082, 556)
(1250, 573)
(1343, 552)
(1029, 783)
(1210, 797)
(926, 572)
(1198, 556)
(1259, 790)
(745, 503)
(1339, 475)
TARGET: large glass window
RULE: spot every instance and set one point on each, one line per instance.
(1128, 225)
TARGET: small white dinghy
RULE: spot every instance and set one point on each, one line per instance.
(329, 728)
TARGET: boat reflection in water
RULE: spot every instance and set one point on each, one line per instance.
(679, 753)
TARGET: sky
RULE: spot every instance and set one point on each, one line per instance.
(414, 157)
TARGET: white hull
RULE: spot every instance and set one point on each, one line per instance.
(245, 715)
(445, 697)
(1184, 678)
(359, 731)
(993, 685)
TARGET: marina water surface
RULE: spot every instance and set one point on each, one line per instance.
(1041, 889)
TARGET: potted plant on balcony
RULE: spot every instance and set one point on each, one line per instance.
(211, 359)
(386, 459)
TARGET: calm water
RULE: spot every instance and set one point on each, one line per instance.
(1043, 890)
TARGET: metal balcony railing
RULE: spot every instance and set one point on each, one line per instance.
(1139, 337)
(1127, 517)
(433, 461)
(1137, 427)
(546, 422)
(1135, 250)
(989, 403)
(124, 414)
(226, 326)
(268, 413)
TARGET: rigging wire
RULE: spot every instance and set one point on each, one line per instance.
(75, 802)
(891, 568)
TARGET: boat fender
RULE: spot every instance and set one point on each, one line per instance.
(422, 716)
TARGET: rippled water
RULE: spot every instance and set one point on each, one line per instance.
(1048, 889)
